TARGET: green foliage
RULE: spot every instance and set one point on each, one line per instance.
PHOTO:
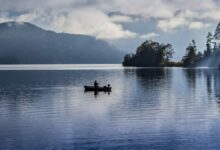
(190, 59)
(150, 54)
(208, 50)
(212, 52)
(210, 56)
(154, 54)
(174, 64)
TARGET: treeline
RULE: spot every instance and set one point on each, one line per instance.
(209, 57)
(149, 54)
(154, 54)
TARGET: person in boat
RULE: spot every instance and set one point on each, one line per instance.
(96, 84)
(108, 86)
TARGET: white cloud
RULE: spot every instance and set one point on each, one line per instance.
(212, 14)
(90, 22)
(4, 17)
(89, 16)
(79, 21)
(147, 8)
(121, 19)
(198, 25)
(171, 25)
(168, 25)
(193, 4)
(149, 35)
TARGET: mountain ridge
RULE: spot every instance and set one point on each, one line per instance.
(29, 44)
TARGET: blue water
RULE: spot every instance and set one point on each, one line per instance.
(45, 107)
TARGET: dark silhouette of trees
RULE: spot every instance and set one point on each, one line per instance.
(150, 54)
(190, 59)
(154, 54)
(208, 51)
(210, 56)
(199, 57)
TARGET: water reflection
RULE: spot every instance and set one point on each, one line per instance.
(191, 76)
(96, 93)
(151, 108)
(149, 78)
(213, 81)
(208, 78)
(144, 85)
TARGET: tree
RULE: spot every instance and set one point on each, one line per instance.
(168, 52)
(208, 51)
(127, 59)
(199, 57)
(150, 54)
(190, 59)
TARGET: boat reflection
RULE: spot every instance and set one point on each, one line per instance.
(96, 93)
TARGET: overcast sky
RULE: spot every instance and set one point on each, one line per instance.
(124, 23)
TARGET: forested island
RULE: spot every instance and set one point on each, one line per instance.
(154, 54)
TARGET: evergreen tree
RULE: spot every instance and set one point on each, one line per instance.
(199, 57)
(190, 59)
(208, 51)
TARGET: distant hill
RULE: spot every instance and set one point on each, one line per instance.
(25, 43)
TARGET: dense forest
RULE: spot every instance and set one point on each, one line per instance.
(157, 55)
(154, 54)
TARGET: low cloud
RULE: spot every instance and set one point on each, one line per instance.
(149, 35)
(198, 25)
(91, 16)
(171, 25)
(146, 8)
(90, 22)
(121, 19)
(168, 25)
(85, 21)
(213, 14)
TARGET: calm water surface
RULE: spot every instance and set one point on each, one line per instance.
(45, 107)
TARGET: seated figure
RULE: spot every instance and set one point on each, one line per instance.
(96, 84)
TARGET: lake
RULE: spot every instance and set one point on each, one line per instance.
(45, 107)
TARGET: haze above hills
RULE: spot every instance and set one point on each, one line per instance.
(25, 43)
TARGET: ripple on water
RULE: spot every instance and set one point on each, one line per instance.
(149, 108)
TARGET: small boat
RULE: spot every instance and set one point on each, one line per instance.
(96, 89)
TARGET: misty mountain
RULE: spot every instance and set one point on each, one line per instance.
(26, 43)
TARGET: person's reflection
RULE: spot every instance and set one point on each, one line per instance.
(96, 93)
